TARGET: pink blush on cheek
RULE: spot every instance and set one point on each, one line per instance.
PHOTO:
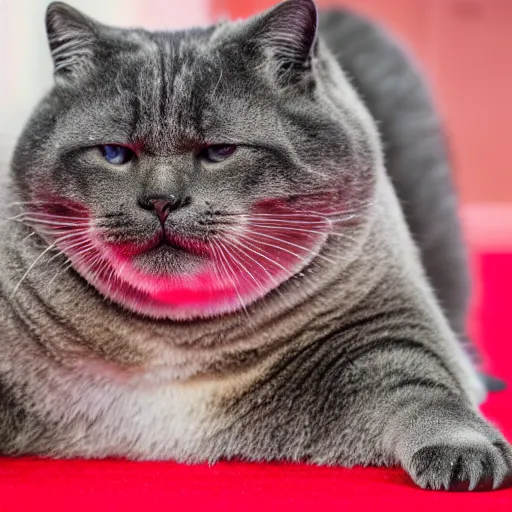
(220, 281)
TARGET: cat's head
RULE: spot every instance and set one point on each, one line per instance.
(188, 174)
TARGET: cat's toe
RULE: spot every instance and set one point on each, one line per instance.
(480, 465)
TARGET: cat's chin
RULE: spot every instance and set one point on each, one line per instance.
(189, 281)
(189, 289)
(175, 297)
(167, 283)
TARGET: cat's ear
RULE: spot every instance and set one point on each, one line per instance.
(72, 37)
(288, 33)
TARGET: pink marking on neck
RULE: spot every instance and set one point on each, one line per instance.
(267, 255)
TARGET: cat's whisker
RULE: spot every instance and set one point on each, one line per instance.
(83, 253)
(282, 215)
(57, 231)
(222, 259)
(259, 242)
(244, 268)
(74, 232)
(285, 229)
(50, 215)
(46, 222)
(40, 203)
(22, 203)
(317, 218)
(69, 233)
(217, 259)
(64, 239)
(258, 284)
(235, 284)
(301, 213)
(50, 230)
(40, 216)
(93, 264)
(236, 246)
(32, 265)
(25, 238)
(64, 267)
(65, 236)
(53, 246)
(342, 218)
(83, 242)
(110, 278)
(61, 237)
(104, 265)
(254, 251)
(280, 240)
(49, 222)
(55, 256)
(322, 222)
(89, 261)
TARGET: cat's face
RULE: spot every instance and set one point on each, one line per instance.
(188, 174)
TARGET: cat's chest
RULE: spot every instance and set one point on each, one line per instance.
(164, 421)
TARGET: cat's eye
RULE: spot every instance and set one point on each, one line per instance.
(116, 155)
(217, 152)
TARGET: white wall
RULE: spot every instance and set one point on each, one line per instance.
(25, 66)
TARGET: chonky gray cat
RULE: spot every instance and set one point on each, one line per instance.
(205, 257)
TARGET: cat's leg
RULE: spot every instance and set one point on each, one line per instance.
(443, 444)
(382, 402)
(421, 413)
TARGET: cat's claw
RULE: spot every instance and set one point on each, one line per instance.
(481, 465)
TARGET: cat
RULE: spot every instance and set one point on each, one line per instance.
(222, 244)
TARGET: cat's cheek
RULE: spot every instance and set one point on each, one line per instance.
(202, 293)
(214, 285)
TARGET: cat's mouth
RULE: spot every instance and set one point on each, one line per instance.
(172, 241)
(170, 254)
(164, 242)
(179, 274)
(180, 277)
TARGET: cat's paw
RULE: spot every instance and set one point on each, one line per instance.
(463, 465)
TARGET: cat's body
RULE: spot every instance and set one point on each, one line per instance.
(346, 360)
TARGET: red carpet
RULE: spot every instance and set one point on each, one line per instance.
(27, 484)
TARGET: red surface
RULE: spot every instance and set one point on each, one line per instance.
(28, 484)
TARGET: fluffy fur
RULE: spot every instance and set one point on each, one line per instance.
(282, 310)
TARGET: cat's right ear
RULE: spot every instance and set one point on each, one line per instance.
(72, 37)
(286, 35)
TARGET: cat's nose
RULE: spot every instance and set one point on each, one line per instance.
(162, 206)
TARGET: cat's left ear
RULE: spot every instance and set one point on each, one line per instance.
(287, 33)
(72, 37)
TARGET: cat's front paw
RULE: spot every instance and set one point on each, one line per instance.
(463, 465)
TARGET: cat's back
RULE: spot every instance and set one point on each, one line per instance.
(395, 92)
